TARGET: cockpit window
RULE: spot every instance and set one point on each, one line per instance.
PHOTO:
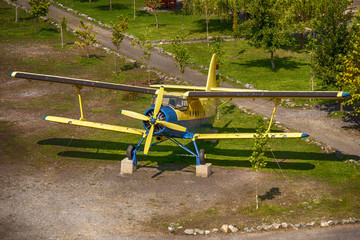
(174, 102)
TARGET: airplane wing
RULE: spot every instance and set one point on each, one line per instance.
(83, 82)
(218, 92)
(103, 126)
(247, 135)
(269, 94)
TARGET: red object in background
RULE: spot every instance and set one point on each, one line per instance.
(168, 3)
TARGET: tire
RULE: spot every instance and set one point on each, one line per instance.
(129, 152)
(202, 156)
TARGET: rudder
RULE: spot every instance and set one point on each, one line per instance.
(213, 75)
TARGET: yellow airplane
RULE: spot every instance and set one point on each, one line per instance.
(187, 112)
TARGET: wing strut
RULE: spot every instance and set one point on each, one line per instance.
(80, 103)
(277, 100)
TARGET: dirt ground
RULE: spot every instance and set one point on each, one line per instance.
(47, 197)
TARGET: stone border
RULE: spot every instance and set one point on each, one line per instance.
(231, 228)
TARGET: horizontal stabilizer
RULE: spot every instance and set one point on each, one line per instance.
(95, 125)
(246, 135)
(82, 82)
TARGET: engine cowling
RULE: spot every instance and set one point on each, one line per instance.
(165, 114)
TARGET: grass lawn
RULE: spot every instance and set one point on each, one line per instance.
(333, 186)
(252, 65)
(170, 23)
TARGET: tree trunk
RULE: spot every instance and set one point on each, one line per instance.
(62, 37)
(272, 61)
(36, 25)
(89, 1)
(218, 114)
(183, 24)
(207, 26)
(256, 191)
(110, 5)
(115, 64)
(234, 46)
(134, 10)
(312, 80)
(16, 13)
(302, 40)
(156, 20)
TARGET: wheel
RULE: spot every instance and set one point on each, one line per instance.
(129, 152)
(202, 156)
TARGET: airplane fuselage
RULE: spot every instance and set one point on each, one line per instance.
(197, 115)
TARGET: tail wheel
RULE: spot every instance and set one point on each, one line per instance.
(202, 156)
(129, 152)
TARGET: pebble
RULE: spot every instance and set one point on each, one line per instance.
(171, 229)
(224, 228)
(233, 228)
(324, 224)
(276, 225)
(189, 231)
(284, 225)
(215, 230)
(207, 232)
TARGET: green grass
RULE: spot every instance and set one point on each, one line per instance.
(170, 23)
(252, 65)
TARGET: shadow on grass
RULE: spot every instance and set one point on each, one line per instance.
(280, 63)
(115, 6)
(270, 194)
(88, 1)
(215, 25)
(176, 155)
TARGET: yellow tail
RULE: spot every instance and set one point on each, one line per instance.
(213, 75)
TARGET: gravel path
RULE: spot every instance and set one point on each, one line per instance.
(331, 132)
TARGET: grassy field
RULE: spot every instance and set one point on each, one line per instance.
(170, 22)
(252, 65)
(332, 186)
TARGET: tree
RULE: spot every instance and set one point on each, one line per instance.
(63, 25)
(332, 39)
(134, 9)
(181, 53)
(16, 10)
(349, 77)
(110, 5)
(85, 36)
(203, 7)
(39, 8)
(299, 14)
(118, 34)
(235, 27)
(258, 158)
(154, 4)
(183, 11)
(264, 29)
(146, 47)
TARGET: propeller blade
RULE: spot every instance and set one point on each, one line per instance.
(148, 140)
(172, 126)
(135, 115)
(158, 102)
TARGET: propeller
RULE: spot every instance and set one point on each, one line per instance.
(153, 120)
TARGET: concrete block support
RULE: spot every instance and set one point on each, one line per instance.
(127, 166)
(203, 170)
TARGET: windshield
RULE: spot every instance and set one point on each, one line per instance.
(174, 102)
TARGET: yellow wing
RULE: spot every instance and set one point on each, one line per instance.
(247, 135)
(95, 125)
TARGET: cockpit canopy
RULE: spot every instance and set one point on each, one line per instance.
(174, 102)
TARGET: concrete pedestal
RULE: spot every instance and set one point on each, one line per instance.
(203, 170)
(127, 166)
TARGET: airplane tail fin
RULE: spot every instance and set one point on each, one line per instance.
(213, 75)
